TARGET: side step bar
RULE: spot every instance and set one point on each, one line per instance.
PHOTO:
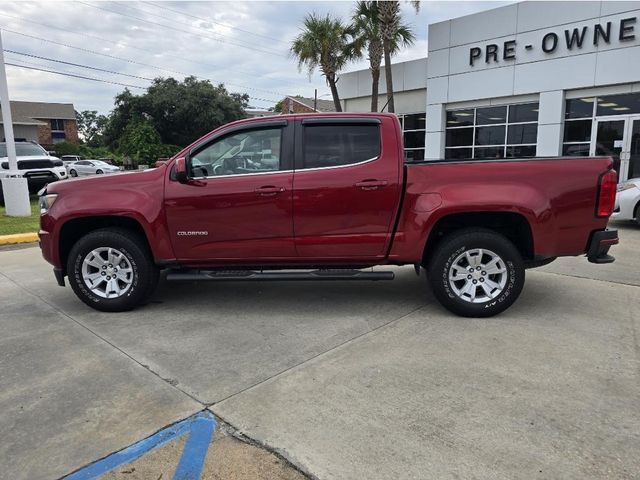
(244, 275)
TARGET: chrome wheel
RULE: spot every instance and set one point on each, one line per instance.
(107, 272)
(478, 275)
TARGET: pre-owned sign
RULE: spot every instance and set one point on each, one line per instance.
(574, 39)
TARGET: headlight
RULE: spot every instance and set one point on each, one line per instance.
(626, 186)
(46, 202)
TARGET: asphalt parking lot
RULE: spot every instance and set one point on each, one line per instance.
(344, 380)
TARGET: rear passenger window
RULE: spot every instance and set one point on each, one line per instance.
(336, 145)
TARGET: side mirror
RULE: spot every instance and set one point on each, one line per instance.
(181, 170)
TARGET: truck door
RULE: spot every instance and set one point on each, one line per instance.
(346, 187)
(237, 206)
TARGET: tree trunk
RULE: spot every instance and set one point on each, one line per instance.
(375, 83)
(334, 93)
(387, 74)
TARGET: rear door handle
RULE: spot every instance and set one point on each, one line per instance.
(269, 190)
(371, 184)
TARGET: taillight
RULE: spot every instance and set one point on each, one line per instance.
(607, 194)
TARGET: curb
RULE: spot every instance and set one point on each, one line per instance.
(18, 238)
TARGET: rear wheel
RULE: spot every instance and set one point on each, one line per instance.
(112, 270)
(73, 173)
(638, 213)
(476, 273)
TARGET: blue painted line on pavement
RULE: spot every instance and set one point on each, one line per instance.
(200, 428)
(195, 450)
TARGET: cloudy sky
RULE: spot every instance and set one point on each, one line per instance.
(241, 44)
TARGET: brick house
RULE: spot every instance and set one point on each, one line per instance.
(305, 105)
(44, 123)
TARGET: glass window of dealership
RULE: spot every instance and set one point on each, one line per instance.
(593, 125)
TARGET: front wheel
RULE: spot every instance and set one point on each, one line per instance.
(99, 172)
(112, 270)
(476, 273)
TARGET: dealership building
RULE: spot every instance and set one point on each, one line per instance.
(528, 79)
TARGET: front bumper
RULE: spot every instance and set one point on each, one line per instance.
(601, 241)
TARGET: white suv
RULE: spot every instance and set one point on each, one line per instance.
(34, 163)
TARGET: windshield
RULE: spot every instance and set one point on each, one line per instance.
(100, 162)
(23, 150)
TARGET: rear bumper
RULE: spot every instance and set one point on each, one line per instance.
(601, 241)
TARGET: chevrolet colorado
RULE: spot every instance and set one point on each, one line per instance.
(324, 197)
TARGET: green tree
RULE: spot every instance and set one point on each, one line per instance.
(179, 111)
(143, 144)
(91, 127)
(390, 20)
(277, 108)
(367, 35)
(66, 148)
(324, 44)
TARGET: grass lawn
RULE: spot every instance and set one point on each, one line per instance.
(10, 225)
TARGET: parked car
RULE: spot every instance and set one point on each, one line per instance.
(69, 159)
(90, 167)
(34, 163)
(321, 197)
(628, 201)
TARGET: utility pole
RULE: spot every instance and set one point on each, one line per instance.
(14, 186)
(315, 100)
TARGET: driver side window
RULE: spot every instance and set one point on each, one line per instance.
(251, 151)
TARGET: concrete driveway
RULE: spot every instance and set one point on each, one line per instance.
(346, 380)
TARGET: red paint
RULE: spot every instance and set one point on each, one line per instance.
(335, 216)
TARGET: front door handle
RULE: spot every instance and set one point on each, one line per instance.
(371, 184)
(269, 190)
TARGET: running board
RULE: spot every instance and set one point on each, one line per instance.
(245, 275)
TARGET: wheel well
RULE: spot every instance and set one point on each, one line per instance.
(512, 225)
(75, 229)
(636, 210)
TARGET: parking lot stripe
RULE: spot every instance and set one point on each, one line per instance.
(199, 427)
(195, 450)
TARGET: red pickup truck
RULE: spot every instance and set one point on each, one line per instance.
(324, 197)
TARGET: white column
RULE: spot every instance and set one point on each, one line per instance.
(15, 190)
(435, 134)
(550, 124)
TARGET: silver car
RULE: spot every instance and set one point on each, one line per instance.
(90, 167)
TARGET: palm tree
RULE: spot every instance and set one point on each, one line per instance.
(389, 15)
(366, 30)
(323, 44)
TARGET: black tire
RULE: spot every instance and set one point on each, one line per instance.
(638, 213)
(451, 248)
(144, 271)
(73, 173)
(99, 172)
(1, 196)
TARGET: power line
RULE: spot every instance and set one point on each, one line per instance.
(66, 74)
(127, 45)
(213, 21)
(190, 25)
(79, 65)
(44, 68)
(181, 31)
(123, 59)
